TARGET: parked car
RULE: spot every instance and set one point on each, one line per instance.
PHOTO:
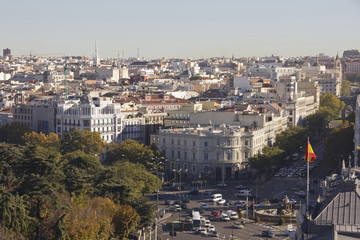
(240, 187)
(267, 233)
(224, 217)
(203, 231)
(177, 208)
(207, 192)
(207, 223)
(237, 225)
(204, 206)
(169, 202)
(240, 204)
(215, 234)
(194, 192)
(221, 202)
(211, 228)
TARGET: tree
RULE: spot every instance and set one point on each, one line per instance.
(86, 141)
(317, 122)
(126, 219)
(290, 140)
(331, 104)
(339, 144)
(345, 88)
(14, 214)
(13, 132)
(10, 156)
(81, 170)
(269, 157)
(129, 150)
(50, 140)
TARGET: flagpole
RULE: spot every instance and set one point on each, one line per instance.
(307, 178)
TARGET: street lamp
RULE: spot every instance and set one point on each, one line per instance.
(157, 161)
(179, 172)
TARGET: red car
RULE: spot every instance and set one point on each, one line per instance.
(215, 213)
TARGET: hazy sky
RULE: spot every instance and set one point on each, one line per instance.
(182, 28)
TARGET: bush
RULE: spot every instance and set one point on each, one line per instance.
(281, 221)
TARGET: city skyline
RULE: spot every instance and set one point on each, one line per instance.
(180, 29)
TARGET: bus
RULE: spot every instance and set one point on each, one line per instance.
(196, 220)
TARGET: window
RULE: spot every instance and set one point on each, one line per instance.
(178, 166)
(172, 154)
(246, 155)
(246, 142)
(185, 155)
(172, 141)
(205, 144)
(172, 165)
(217, 156)
(86, 123)
(185, 167)
(193, 168)
(194, 156)
(206, 156)
(194, 143)
(228, 156)
(179, 154)
(237, 156)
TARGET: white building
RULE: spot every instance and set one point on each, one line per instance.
(110, 74)
(93, 114)
(212, 153)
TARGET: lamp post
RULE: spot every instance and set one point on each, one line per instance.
(157, 161)
(179, 172)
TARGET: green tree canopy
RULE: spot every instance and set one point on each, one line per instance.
(10, 156)
(88, 142)
(339, 144)
(129, 150)
(13, 132)
(290, 140)
(270, 156)
(331, 104)
(345, 88)
(317, 122)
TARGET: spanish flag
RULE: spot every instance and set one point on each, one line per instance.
(310, 155)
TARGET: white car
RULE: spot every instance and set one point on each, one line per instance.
(224, 217)
(232, 215)
(211, 228)
(221, 202)
(202, 220)
(177, 208)
(207, 223)
(237, 225)
(240, 204)
(204, 205)
(203, 231)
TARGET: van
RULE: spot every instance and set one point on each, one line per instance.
(216, 197)
(244, 193)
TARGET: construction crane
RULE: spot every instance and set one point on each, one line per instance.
(65, 79)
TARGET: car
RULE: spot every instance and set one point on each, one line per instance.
(240, 204)
(267, 233)
(204, 206)
(177, 208)
(232, 214)
(207, 192)
(215, 234)
(203, 231)
(237, 225)
(300, 194)
(207, 223)
(222, 185)
(277, 175)
(194, 192)
(185, 200)
(228, 203)
(169, 202)
(215, 213)
(224, 217)
(211, 228)
(221, 202)
(240, 187)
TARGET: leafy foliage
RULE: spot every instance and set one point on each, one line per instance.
(269, 157)
(86, 141)
(40, 139)
(331, 104)
(13, 132)
(292, 139)
(345, 88)
(128, 150)
(339, 143)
